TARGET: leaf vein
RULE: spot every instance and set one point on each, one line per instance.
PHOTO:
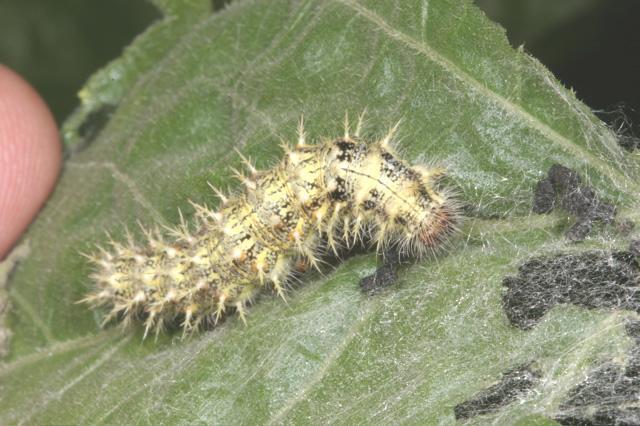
(543, 128)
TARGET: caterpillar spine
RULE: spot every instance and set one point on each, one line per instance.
(330, 193)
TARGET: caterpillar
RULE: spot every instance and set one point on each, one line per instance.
(323, 195)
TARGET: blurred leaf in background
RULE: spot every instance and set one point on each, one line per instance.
(56, 45)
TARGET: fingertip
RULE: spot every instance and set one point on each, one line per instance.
(30, 156)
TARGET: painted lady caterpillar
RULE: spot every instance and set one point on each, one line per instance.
(327, 194)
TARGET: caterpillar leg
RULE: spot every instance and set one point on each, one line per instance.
(384, 276)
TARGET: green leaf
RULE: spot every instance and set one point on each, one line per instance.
(157, 124)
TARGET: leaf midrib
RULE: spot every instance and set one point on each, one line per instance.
(617, 177)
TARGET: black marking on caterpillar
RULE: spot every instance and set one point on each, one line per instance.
(332, 193)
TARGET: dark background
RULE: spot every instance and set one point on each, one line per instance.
(592, 46)
(57, 44)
